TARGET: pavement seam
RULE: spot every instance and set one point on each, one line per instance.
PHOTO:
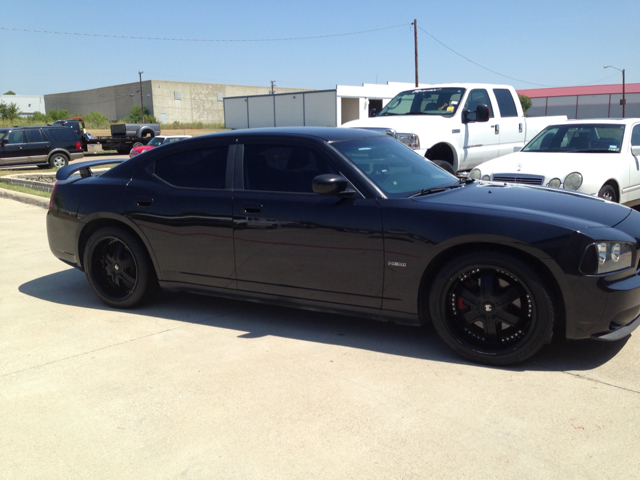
(582, 377)
(89, 352)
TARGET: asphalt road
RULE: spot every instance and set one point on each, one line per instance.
(198, 387)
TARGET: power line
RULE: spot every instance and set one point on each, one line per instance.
(202, 40)
(501, 74)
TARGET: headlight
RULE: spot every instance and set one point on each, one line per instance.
(411, 140)
(554, 182)
(573, 181)
(475, 174)
(606, 257)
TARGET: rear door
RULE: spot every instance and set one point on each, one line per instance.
(510, 125)
(37, 145)
(294, 243)
(181, 202)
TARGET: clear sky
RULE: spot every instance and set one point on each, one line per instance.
(528, 44)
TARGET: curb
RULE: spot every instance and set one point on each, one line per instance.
(25, 198)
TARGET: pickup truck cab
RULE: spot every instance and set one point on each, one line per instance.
(458, 126)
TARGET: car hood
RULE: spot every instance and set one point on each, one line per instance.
(549, 164)
(559, 207)
(401, 123)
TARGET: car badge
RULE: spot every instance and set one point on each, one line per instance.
(519, 166)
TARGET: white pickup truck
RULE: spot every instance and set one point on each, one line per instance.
(458, 126)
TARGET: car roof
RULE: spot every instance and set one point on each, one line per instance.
(173, 136)
(327, 134)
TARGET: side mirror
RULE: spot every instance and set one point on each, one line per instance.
(5, 142)
(372, 112)
(329, 184)
(635, 150)
(482, 113)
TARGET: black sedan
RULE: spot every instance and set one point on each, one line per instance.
(353, 222)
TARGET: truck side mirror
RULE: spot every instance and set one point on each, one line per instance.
(482, 113)
(372, 112)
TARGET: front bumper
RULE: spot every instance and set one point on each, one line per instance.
(619, 332)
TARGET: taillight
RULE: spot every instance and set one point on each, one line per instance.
(78, 146)
(53, 192)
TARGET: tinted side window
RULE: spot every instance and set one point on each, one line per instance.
(16, 136)
(479, 96)
(282, 168)
(505, 102)
(635, 136)
(204, 168)
(61, 135)
(34, 135)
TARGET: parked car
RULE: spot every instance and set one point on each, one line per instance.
(156, 142)
(351, 221)
(458, 125)
(42, 146)
(597, 157)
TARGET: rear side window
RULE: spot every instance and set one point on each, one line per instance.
(203, 168)
(34, 136)
(62, 135)
(282, 168)
(505, 102)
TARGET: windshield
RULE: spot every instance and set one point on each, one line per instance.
(155, 141)
(587, 137)
(425, 101)
(394, 168)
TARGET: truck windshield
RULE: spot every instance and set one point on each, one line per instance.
(425, 101)
(578, 137)
(394, 168)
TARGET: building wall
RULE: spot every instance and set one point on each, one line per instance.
(27, 104)
(178, 101)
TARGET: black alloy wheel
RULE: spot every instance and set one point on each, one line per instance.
(491, 308)
(608, 193)
(118, 268)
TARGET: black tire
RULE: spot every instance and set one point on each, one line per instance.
(491, 308)
(118, 268)
(608, 193)
(446, 166)
(58, 160)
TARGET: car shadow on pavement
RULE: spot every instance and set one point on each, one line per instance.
(69, 287)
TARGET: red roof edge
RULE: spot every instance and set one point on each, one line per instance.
(584, 90)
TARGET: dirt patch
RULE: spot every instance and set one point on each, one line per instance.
(96, 132)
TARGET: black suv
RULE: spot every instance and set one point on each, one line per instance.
(42, 146)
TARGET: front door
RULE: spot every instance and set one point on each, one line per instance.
(14, 151)
(292, 242)
(481, 139)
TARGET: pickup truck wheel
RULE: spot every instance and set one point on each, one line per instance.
(123, 152)
(118, 268)
(491, 308)
(58, 160)
(138, 144)
(446, 166)
(608, 193)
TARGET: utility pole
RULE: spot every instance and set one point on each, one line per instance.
(273, 84)
(415, 40)
(141, 97)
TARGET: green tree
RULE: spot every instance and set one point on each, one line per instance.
(9, 111)
(135, 115)
(9, 93)
(96, 120)
(526, 103)
(59, 114)
(41, 118)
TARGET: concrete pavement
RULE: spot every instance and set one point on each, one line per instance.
(198, 387)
